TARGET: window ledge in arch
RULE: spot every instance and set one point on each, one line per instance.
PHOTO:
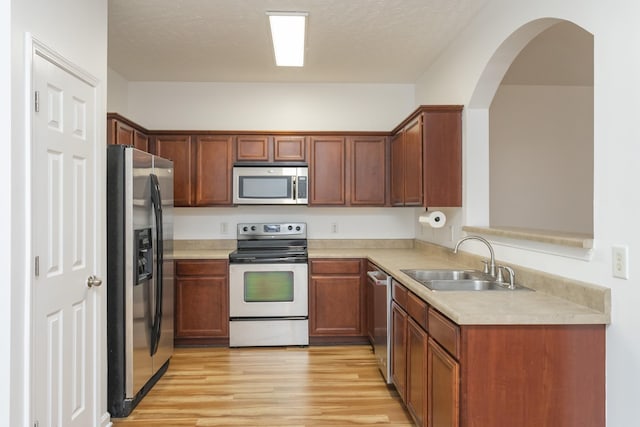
(573, 245)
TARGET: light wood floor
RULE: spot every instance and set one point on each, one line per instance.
(315, 386)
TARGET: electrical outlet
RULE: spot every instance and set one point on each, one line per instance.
(620, 262)
(334, 227)
(224, 228)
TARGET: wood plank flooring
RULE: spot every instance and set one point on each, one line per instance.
(292, 386)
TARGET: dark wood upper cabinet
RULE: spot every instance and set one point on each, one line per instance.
(443, 157)
(123, 132)
(141, 141)
(253, 148)
(214, 155)
(327, 170)
(418, 164)
(271, 148)
(289, 148)
(406, 165)
(367, 171)
(348, 170)
(397, 169)
(178, 148)
(426, 158)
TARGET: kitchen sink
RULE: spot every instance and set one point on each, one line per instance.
(458, 280)
(429, 275)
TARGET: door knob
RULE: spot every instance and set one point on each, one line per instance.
(93, 281)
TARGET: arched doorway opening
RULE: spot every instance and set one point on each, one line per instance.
(534, 100)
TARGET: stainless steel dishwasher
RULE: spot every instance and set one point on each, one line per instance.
(382, 320)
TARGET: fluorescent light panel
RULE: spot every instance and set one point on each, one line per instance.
(287, 33)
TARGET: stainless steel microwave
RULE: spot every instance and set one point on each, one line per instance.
(270, 185)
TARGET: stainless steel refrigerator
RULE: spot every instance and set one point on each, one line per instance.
(140, 274)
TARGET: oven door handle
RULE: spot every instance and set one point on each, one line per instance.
(278, 260)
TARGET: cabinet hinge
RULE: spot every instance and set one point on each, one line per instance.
(36, 101)
(37, 266)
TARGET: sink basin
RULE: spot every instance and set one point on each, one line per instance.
(465, 285)
(429, 275)
(458, 280)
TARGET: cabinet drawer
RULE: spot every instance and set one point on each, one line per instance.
(337, 266)
(445, 332)
(417, 309)
(400, 294)
(201, 268)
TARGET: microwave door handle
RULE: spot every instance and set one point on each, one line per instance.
(294, 187)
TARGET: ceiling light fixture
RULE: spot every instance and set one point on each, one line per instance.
(287, 33)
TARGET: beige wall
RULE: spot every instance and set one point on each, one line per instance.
(541, 157)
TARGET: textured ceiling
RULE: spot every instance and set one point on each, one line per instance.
(350, 41)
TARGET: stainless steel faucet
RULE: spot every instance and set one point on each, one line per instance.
(492, 261)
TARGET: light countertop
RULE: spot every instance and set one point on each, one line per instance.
(556, 300)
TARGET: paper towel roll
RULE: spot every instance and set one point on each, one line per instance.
(435, 219)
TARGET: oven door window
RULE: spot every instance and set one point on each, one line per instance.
(268, 286)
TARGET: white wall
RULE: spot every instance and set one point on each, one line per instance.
(118, 97)
(275, 106)
(5, 214)
(541, 158)
(352, 223)
(77, 30)
(455, 77)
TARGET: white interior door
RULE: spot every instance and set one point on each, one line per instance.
(65, 236)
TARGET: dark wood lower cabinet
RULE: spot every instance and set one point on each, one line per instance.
(399, 322)
(443, 387)
(532, 375)
(453, 375)
(337, 298)
(417, 368)
(201, 305)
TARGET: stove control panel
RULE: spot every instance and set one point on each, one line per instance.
(272, 230)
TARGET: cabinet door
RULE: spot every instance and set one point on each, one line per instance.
(399, 323)
(119, 133)
(289, 148)
(201, 307)
(413, 164)
(397, 169)
(202, 302)
(417, 342)
(335, 306)
(368, 170)
(443, 394)
(178, 149)
(443, 158)
(251, 148)
(141, 141)
(214, 156)
(327, 171)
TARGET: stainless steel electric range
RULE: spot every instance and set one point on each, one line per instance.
(268, 286)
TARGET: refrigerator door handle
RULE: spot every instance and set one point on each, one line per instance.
(156, 201)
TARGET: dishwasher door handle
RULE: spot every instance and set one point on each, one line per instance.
(378, 281)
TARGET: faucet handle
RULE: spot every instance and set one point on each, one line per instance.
(485, 269)
(512, 275)
(499, 275)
